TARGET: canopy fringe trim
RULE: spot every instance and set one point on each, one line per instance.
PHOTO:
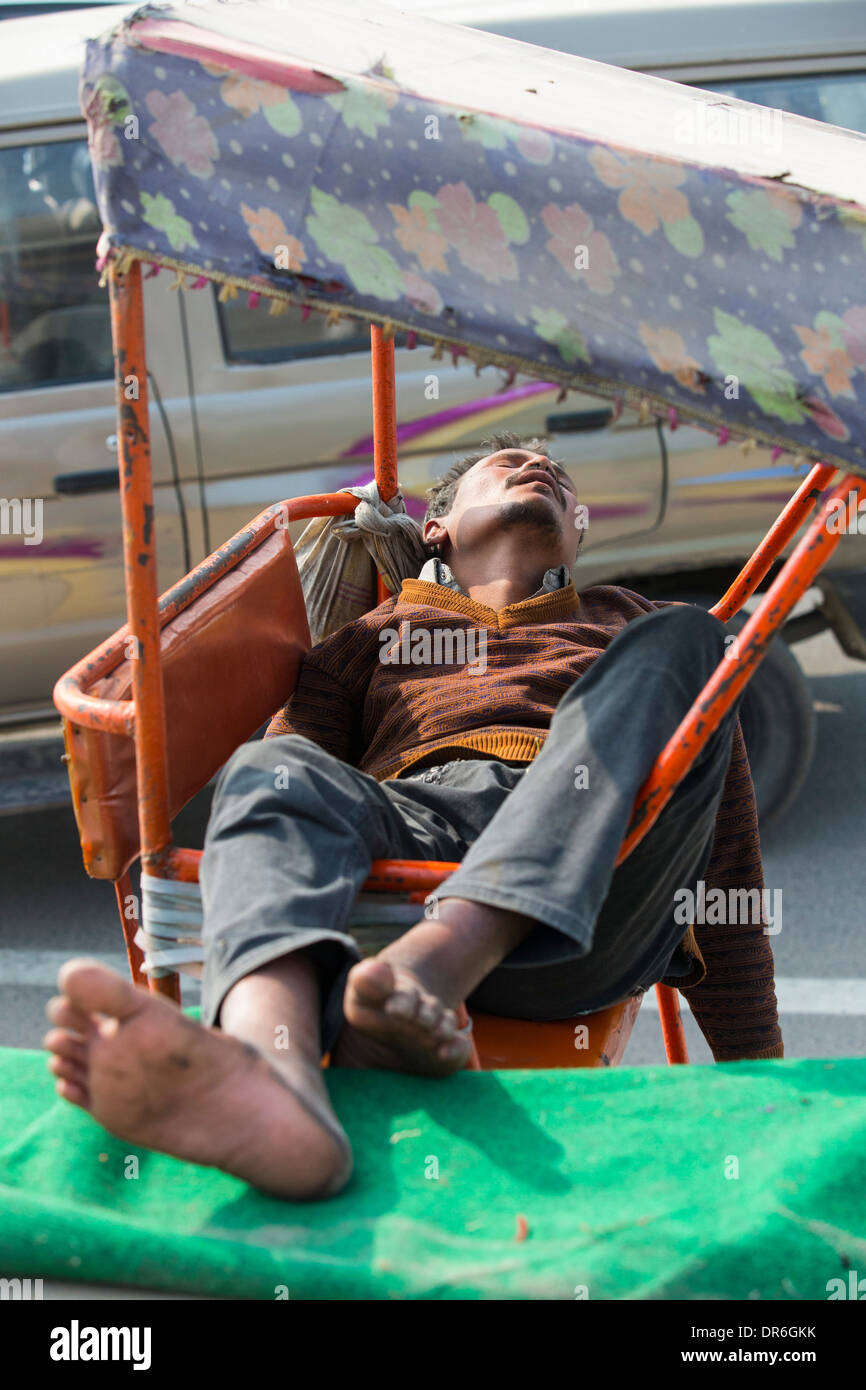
(647, 404)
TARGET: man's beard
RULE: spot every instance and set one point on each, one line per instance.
(531, 515)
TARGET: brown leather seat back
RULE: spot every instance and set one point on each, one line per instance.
(229, 661)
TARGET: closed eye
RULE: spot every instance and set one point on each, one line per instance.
(515, 457)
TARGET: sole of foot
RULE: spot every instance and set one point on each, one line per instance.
(394, 1024)
(156, 1079)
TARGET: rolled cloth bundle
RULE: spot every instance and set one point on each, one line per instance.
(340, 556)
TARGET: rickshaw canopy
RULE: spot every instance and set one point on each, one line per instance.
(681, 251)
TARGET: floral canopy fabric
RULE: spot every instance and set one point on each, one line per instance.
(554, 216)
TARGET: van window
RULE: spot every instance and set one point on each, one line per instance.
(255, 335)
(837, 97)
(54, 318)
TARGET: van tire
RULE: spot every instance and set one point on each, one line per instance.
(778, 722)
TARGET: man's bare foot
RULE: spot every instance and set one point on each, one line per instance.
(154, 1078)
(395, 1024)
(399, 1006)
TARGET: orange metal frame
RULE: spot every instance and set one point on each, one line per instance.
(143, 717)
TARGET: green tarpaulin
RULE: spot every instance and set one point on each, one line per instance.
(738, 1181)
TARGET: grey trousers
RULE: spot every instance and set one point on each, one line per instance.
(293, 831)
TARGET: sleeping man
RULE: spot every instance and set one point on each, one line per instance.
(489, 715)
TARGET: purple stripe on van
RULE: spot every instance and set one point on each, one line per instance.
(412, 429)
(731, 499)
(54, 550)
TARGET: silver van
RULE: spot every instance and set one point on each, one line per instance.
(248, 408)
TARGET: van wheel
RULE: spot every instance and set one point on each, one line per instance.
(778, 722)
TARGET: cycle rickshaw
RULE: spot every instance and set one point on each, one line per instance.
(532, 212)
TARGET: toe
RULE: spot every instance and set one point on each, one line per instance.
(62, 1014)
(71, 1091)
(447, 1026)
(404, 1004)
(429, 1014)
(93, 988)
(67, 1045)
(67, 1071)
(372, 981)
(455, 1050)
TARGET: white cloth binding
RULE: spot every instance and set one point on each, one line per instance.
(171, 922)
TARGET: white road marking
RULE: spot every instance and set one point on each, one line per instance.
(39, 968)
(801, 995)
(796, 994)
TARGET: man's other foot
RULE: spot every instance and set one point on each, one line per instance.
(154, 1078)
(393, 1023)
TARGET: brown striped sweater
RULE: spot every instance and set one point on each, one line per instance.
(383, 718)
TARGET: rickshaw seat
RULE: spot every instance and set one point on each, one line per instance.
(229, 656)
(587, 1040)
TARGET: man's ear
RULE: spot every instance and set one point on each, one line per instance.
(434, 533)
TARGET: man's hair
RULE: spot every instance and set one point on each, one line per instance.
(440, 497)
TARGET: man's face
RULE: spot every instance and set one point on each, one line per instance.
(513, 488)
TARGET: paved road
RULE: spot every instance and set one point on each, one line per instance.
(49, 909)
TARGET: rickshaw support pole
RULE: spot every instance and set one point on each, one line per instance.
(384, 424)
(130, 924)
(670, 1017)
(139, 564)
(384, 413)
(782, 530)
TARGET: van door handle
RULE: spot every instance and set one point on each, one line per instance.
(92, 480)
(572, 421)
